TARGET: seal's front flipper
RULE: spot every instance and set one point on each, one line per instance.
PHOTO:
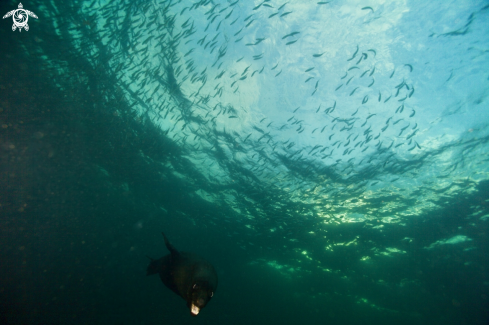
(170, 247)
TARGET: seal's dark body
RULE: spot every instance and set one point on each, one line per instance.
(188, 275)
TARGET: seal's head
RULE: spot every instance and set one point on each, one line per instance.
(200, 294)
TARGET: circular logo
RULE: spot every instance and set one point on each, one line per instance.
(20, 18)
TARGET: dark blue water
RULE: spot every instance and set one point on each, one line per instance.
(329, 158)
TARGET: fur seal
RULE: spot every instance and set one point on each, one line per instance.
(188, 275)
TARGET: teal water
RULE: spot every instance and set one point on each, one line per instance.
(329, 158)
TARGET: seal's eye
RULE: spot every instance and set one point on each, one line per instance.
(195, 286)
(212, 293)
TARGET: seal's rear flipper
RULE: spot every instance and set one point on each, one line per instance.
(170, 247)
(155, 266)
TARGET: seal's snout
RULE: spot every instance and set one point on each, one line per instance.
(194, 310)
